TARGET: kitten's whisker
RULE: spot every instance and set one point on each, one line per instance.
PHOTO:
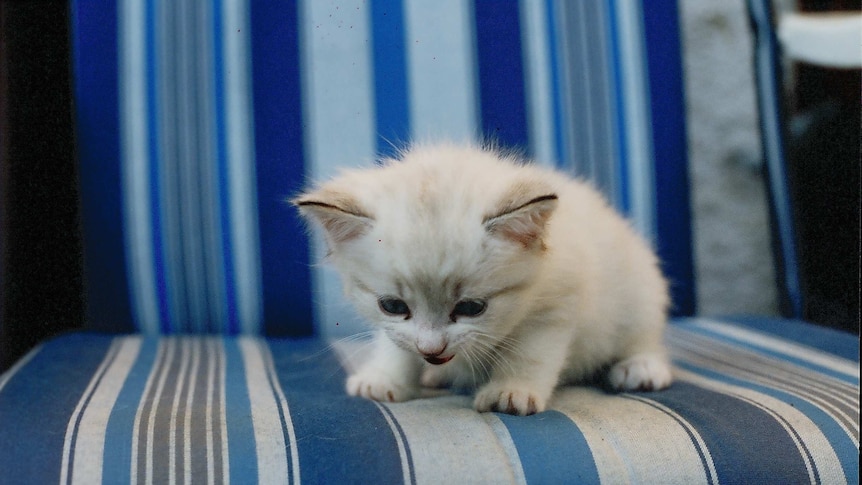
(492, 349)
(343, 340)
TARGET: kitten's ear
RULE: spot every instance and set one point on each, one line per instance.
(523, 219)
(337, 213)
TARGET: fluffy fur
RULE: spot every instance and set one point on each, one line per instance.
(503, 276)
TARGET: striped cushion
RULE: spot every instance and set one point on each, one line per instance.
(747, 406)
(196, 121)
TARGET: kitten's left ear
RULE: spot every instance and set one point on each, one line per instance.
(522, 220)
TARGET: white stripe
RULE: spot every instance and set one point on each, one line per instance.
(221, 384)
(635, 98)
(798, 351)
(240, 159)
(268, 435)
(212, 350)
(618, 444)
(537, 77)
(504, 439)
(79, 409)
(90, 442)
(441, 70)
(135, 163)
(185, 357)
(429, 426)
(288, 421)
(809, 437)
(189, 403)
(339, 109)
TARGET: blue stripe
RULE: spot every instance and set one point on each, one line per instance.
(95, 54)
(280, 155)
(223, 177)
(121, 423)
(162, 292)
(502, 93)
(339, 438)
(242, 454)
(31, 443)
(552, 448)
(410, 467)
(391, 96)
(622, 160)
(670, 151)
(838, 439)
(736, 433)
(768, 70)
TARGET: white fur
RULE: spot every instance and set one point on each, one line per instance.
(570, 288)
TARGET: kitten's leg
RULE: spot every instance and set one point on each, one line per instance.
(526, 374)
(391, 375)
(647, 370)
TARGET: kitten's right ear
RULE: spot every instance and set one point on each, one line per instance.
(338, 214)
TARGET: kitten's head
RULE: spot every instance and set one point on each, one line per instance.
(440, 248)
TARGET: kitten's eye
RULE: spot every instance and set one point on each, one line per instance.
(394, 306)
(468, 308)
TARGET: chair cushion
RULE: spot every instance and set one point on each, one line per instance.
(747, 405)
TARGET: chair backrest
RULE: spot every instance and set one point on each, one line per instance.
(195, 120)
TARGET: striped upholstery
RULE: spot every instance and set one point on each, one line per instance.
(748, 407)
(197, 119)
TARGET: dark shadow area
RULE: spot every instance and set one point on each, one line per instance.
(41, 289)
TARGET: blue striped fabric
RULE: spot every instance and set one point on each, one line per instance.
(197, 120)
(747, 407)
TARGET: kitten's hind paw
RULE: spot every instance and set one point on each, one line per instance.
(509, 399)
(379, 387)
(642, 372)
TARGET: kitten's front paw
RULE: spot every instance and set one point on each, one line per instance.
(379, 387)
(643, 372)
(509, 398)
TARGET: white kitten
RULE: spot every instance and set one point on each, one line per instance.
(503, 276)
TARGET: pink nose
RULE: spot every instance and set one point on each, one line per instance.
(431, 351)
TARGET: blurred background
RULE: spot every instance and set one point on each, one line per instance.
(40, 264)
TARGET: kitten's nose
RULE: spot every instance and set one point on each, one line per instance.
(432, 354)
(431, 350)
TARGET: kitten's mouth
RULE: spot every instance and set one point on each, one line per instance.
(438, 360)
